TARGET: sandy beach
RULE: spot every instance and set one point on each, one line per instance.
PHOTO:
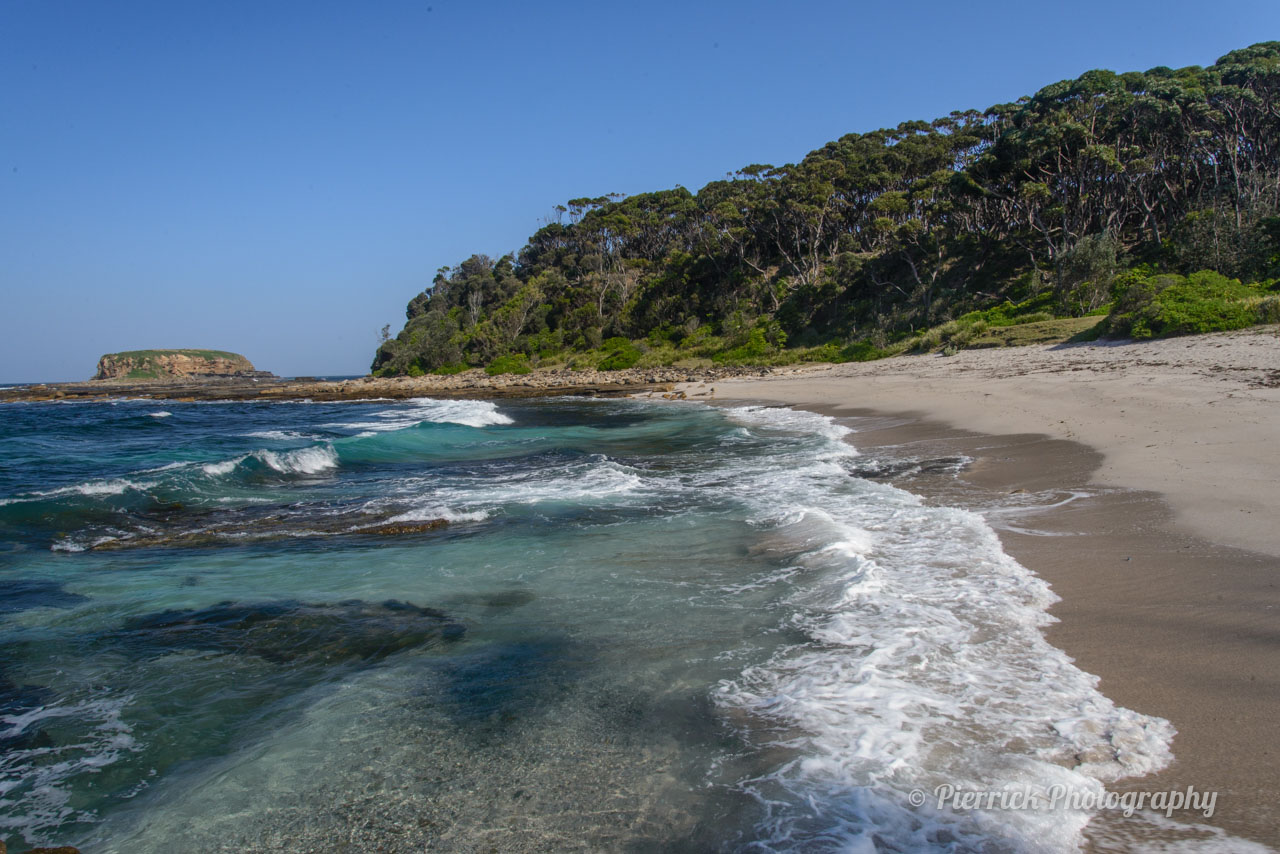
(1142, 480)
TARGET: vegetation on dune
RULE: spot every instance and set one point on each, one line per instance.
(1159, 305)
(1150, 195)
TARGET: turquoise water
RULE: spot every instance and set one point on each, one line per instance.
(530, 625)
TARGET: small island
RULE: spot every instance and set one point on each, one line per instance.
(175, 364)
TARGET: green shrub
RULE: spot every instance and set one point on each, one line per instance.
(516, 363)
(610, 345)
(1158, 306)
(702, 342)
(621, 357)
(1269, 310)
(755, 350)
(450, 370)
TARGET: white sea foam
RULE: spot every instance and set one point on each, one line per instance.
(927, 666)
(92, 488)
(469, 413)
(281, 435)
(167, 467)
(795, 421)
(223, 467)
(35, 783)
(161, 414)
(73, 545)
(311, 460)
(593, 480)
(428, 512)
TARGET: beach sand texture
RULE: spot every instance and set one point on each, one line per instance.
(1157, 468)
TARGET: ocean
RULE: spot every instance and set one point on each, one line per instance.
(534, 625)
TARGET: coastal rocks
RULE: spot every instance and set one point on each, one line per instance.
(168, 364)
(287, 631)
(474, 383)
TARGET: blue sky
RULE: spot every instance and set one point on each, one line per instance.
(280, 178)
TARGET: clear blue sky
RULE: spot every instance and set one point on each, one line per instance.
(280, 178)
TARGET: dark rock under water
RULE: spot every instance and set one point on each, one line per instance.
(498, 682)
(899, 469)
(22, 594)
(498, 600)
(287, 631)
(17, 700)
(177, 527)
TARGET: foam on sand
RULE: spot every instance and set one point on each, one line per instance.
(925, 665)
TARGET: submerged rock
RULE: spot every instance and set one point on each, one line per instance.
(22, 594)
(16, 701)
(497, 683)
(292, 632)
(169, 528)
(499, 600)
(894, 469)
(399, 529)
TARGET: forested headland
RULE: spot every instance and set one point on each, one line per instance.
(1147, 200)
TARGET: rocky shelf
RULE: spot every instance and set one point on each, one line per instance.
(468, 384)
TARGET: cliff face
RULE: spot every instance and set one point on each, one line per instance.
(166, 364)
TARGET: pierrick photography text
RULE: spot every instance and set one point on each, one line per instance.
(1061, 797)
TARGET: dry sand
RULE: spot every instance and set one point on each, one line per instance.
(1196, 419)
(1163, 461)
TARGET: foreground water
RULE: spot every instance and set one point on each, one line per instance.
(535, 625)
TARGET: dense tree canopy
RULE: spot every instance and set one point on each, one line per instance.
(877, 235)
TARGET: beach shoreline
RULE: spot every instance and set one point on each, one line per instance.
(1171, 596)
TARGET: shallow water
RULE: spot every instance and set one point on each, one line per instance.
(531, 625)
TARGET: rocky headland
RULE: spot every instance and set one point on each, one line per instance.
(143, 365)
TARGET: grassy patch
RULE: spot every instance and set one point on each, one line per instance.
(1032, 310)
(1040, 332)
